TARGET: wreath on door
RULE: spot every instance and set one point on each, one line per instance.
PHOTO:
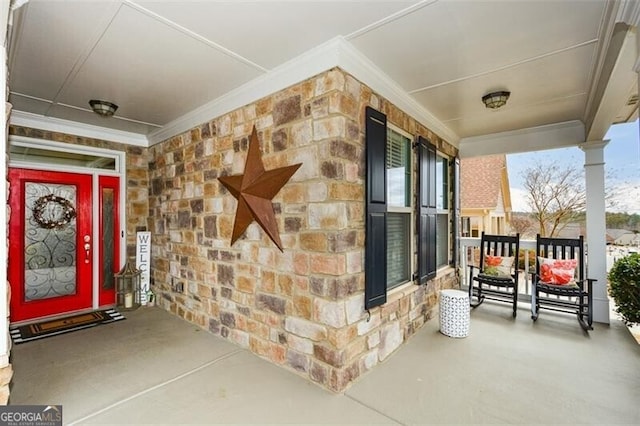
(53, 212)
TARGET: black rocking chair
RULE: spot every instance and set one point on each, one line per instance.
(497, 278)
(550, 289)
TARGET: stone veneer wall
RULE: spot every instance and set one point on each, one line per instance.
(303, 308)
(137, 203)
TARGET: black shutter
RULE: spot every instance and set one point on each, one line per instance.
(426, 210)
(375, 278)
(456, 212)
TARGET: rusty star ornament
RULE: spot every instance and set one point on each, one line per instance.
(254, 191)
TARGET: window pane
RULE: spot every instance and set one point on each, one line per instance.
(50, 238)
(397, 249)
(442, 183)
(108, 242)
(466, 226)
(442, 232)
(442, 204)
(398, 169)
(40, 155)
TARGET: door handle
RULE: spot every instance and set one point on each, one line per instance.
(87, 248)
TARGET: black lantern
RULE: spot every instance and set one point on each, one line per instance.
(128, 287)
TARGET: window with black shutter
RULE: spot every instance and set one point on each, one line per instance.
(389, 209)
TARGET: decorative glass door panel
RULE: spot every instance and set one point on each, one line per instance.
(109, 190)
(50, 240)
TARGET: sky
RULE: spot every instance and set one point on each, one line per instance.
(622, 168)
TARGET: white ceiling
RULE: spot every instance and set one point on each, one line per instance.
(162, 61)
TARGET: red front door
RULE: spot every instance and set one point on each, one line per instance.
(51, 243)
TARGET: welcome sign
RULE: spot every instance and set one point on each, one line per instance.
(143, 263)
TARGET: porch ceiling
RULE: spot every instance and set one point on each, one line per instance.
(164, 61)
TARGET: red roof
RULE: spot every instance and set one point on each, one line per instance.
(481, 181)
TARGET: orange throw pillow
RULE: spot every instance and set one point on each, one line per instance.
(497, 266)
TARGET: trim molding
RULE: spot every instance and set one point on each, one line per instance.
(390, 18)
(308, 64)
(358, 65)
(603, 47)
(51, 124)
(551, 136)
(595, 144)
(335, 53)
(629, 12)
(617, 87)
(192, 34)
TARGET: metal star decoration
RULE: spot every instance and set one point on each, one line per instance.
(254, 191)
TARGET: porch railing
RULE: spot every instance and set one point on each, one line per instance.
(469, 250)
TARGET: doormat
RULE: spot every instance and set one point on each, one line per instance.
(40, 330)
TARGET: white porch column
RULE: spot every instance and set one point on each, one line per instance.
(596, 227)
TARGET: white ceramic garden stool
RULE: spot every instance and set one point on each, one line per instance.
(454, 313)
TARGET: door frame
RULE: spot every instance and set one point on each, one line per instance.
(119, 170)
(81, 297)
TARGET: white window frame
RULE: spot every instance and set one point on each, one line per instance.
(439, 211)
(409, 210)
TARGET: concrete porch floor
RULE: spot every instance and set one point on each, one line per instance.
(156, 368)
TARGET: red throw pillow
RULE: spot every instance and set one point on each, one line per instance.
(557, 271)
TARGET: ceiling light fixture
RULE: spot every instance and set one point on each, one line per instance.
(495, 100)
(103, 108)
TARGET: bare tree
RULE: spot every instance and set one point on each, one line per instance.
(556, 195)
(521, 224)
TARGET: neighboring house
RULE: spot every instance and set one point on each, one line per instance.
(572, 230)
(485, 196)
(621, 237)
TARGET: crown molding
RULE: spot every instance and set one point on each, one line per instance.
(308, 64)
(335, 53)
(358, 65)
(629, 12)
(51, 124)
